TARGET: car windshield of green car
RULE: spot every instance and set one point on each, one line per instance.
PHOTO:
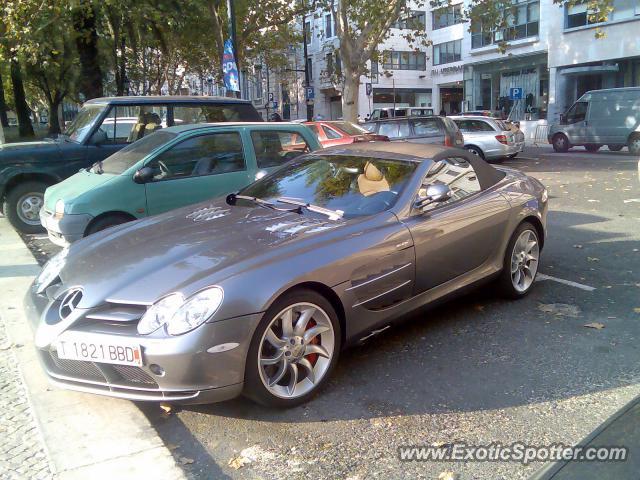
(124, 159)
(353, 185)
(83, 123)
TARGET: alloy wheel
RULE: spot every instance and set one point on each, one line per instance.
(29, 206)
(296, 350)
(524, 261)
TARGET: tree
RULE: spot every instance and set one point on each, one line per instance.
(4, 121)
(361, 26)
(85, 23)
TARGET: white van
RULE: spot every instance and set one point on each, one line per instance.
(600, 117)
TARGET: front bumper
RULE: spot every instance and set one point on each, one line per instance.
(191, 374)
(65, 230)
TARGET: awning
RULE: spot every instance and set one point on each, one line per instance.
(590, 69)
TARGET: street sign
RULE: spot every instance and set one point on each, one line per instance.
(515, 93)
(270, 96)
(369, 88)
(311, 94)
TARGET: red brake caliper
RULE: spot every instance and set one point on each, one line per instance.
(312, 357)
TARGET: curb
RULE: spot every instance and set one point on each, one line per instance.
(85, 436)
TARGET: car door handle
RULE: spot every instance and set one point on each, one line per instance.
(403, 245)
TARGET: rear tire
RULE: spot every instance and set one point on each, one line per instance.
(634, 144)
(105, 222)
(279, 371)
(615, 148)
(521, 260)
(560, 143)
(475, 150)
(22, 206)
(591, 147)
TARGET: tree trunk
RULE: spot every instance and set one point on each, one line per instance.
(54, 118)
(4, 121)
(25, 128)
(84, 22)
(350, 96)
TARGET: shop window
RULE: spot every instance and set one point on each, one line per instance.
(522, 21)
(403, 60)
(415, 20)
(447, 16)
(447, 52)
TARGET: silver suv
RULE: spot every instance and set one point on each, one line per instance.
(489, 138)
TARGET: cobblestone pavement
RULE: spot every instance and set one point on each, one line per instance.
(22, 454)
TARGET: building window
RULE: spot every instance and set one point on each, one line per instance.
(447, 16)
(522, 21)
(328, 25)
(374, 71)
(328, 60)
(414, 20)
(307, 32)
(581, 15)
(447, 52)
(403, 60)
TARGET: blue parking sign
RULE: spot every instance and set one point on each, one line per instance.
(515, 93)
(310, 93)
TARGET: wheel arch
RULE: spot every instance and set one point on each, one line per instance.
(28, 177)
(115, 213)
(537, 223)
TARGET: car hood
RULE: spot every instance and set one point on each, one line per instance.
(24, 152)
(74, 186)
(179, 250)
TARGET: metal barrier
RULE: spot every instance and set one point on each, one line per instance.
(541, 135)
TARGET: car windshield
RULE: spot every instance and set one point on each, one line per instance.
(86, 118)
(124, 159)
(355, 185)
(349, 128)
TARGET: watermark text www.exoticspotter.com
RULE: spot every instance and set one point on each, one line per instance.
(516, 452)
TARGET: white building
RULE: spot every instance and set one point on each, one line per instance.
(552, 56)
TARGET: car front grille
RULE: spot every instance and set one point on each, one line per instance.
(77, 368)
(121, 376)
(134, 375)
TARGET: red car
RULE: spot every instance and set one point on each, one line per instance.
(332, 133)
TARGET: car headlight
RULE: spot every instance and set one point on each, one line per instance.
(59, 209)
(181, 316)
(51, 270)
(545, 196)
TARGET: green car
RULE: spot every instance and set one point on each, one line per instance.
(174, 167)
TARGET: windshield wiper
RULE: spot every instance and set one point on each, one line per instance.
(232, 198)
(332, 214)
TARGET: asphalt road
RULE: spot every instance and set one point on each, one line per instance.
(477, 370)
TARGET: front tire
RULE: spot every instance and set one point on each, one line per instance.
(634, 144)
(615, 148)
(22, 206)
(591, 147)
(520, 264)
(293, 351)
(560, 143)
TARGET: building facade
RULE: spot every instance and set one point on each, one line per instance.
(552, 57)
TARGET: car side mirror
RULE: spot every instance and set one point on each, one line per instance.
(563, 119)
(434, 194)
(144, 175)
(99, 137)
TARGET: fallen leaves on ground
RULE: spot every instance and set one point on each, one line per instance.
(595, 325)
(560, 309)
(166, 408)
(448, 475)
(186, 460)
(577, 246)
(593, 259)
(239, 462)
(637, 309)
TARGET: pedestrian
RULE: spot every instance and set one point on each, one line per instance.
(443, 113)
(275, 117)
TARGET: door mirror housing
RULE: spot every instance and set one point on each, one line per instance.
(144, 175)
(434, 194)
(99, 137)
(563, 119)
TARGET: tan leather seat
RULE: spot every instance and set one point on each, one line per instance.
(372, 180)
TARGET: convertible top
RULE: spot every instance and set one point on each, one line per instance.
(417, 152)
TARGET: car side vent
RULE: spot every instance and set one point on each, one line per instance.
(205, 214)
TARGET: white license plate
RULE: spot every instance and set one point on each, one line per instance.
(95, 348)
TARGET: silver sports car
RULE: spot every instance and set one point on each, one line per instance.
(259, 292)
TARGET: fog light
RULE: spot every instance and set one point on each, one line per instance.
(156, 370)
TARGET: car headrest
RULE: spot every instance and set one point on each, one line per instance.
(372, 173)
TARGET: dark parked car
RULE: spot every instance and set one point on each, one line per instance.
(438, 130)
(259, 292)
(102, 127)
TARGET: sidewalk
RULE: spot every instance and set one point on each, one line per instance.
(50, 433)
